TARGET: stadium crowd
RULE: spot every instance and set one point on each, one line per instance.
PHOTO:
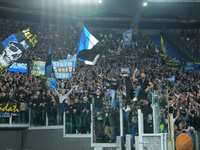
(101, 85)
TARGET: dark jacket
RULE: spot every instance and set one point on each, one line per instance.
(194, 122)
(78, 107)
(70, 109)
(98, 102)
(114, 84)
(4, 99)
(146, 109)
(86, 105)
(37, 108)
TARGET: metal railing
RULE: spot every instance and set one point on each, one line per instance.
(183, 45)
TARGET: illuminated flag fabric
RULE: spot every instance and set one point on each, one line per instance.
(15, 46)
(48, 64)
(89, 48)
(127, 37)
(162, 43)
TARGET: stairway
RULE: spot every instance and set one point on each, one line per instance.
(157, 40)
(178, 45)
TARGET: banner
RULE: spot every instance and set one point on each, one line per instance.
(125, 70)
(196, 64)
(188, 68)
(63, 69)
(7, 109)
(38, 67)
(173, 63)
(72, 57)
(18, 67)
(127, 37)
(14, 47)
(163, 55)
(71, 60)
(189, 63)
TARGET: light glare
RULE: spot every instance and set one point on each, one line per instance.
(100, 1)
(145, 4)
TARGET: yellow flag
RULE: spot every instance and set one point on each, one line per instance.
(162, 43)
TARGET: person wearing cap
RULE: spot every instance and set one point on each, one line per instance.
(114, 88)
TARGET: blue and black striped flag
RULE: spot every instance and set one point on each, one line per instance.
(48, 64)
(89, 48)
(15, 46)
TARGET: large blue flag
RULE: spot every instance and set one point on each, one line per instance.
(15, 46)
(127, 37)
(89, 47)
(48, 64)
(52, 82)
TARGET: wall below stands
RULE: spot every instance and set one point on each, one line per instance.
(52, 139)
(12, 139)
(43, 139)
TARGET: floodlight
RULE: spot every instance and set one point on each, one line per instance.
(145, 4)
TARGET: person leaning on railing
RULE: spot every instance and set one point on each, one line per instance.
(77, 109)
(86, 114)
(69, 115)
(23, 106)
(36, 110)
(62, 96)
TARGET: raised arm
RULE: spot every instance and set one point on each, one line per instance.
(151, 85)
(56, 91)
(178, 114)
(104, 79)
(124, 75)
(68, 93)
(134, 79)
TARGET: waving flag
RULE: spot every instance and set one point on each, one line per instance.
(162, 43)
(89, 48)
(15, 46)
(48, 64)
(127, 37)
